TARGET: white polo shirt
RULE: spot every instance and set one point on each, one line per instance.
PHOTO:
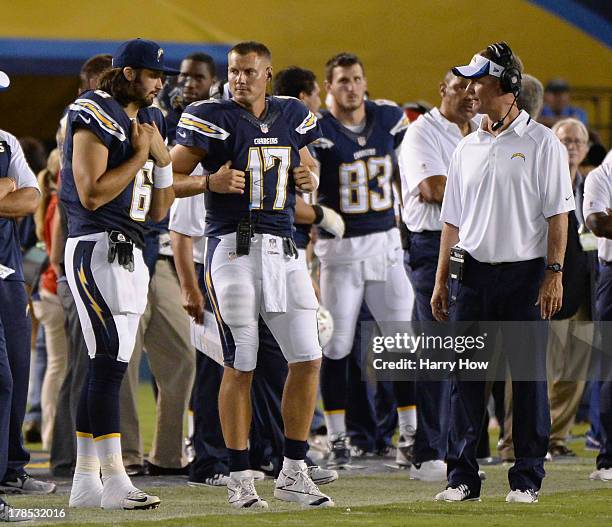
(500, 190)
(598, 198)
(18, 170)
(426, 151)
(188, 217)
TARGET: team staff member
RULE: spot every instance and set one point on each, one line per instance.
(505, 207)
(117, 173)
(19, 196)
(597, 213)
(425, 155)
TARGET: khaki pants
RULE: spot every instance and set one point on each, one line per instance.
(164, 333)
(568, 357)
(49, 311)
(569, 353)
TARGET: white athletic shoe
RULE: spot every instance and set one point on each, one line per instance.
(459, 493)
(522, 496)
(135, 499)
(241, 494)
(434, 470)
(603, 474)
(297, 486)
(322, 476)
(218, 480)
(405, 447)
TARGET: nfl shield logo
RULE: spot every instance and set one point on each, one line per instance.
(361, 141)
(272, 244)
(264, 128)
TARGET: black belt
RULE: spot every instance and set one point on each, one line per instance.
(605, 263)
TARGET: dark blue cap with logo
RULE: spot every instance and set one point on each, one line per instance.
(139, 53)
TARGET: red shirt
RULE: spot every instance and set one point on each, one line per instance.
(48, 279)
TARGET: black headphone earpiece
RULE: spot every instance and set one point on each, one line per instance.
(510, 78)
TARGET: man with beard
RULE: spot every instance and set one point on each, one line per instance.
(195, 82)
(117, 172)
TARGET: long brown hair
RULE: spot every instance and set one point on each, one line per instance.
(113, 81)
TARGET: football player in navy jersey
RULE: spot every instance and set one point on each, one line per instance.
(302, 84)
(357, 161)
(255, 148)
(117, 172)
(19, 196)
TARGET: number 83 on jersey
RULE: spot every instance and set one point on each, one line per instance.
(366, 185)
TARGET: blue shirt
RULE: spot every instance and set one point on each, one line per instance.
(13, 165)
(266, 149)
(102, 115)
(568, 111)
(357, 168)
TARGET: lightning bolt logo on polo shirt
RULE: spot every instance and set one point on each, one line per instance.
(518, 154)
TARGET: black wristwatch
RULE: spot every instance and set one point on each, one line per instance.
(555, 267)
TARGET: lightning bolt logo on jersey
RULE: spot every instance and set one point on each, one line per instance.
(266, 149)
(357, 168)
(99, 113)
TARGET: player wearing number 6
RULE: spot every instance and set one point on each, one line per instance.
(117, 173)
(357, 159)
(255, 148)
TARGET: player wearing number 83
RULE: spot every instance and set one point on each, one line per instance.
(117, 173)
(358, 160)
(251, 262)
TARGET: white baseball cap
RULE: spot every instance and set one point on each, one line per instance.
(4, 81)
(478, 67)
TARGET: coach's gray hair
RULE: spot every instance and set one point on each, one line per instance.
(531, 97)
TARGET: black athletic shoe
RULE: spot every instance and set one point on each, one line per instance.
(340, 452)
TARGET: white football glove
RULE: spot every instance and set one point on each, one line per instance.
(332, 222)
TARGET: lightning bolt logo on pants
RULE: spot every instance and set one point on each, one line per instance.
(94, 305)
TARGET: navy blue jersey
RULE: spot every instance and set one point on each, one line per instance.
(99, 113)
(301, 235)
(357, 168)
(266, 149)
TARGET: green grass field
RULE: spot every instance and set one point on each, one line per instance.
(383, 499)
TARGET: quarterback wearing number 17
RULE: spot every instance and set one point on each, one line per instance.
(255, 148)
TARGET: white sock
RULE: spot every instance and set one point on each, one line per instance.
(293, 465)
(190, 424)
(407, 420)
(335, 423)
(117, 483)
(86, 488)
(241, 474)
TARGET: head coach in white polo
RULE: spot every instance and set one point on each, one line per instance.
(505, 207)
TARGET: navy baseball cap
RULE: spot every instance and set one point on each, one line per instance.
(139, 53)
(5, 82)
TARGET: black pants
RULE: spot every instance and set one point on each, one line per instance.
(604, 314)
(504, 292)
(15, 333)
(432, 397)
